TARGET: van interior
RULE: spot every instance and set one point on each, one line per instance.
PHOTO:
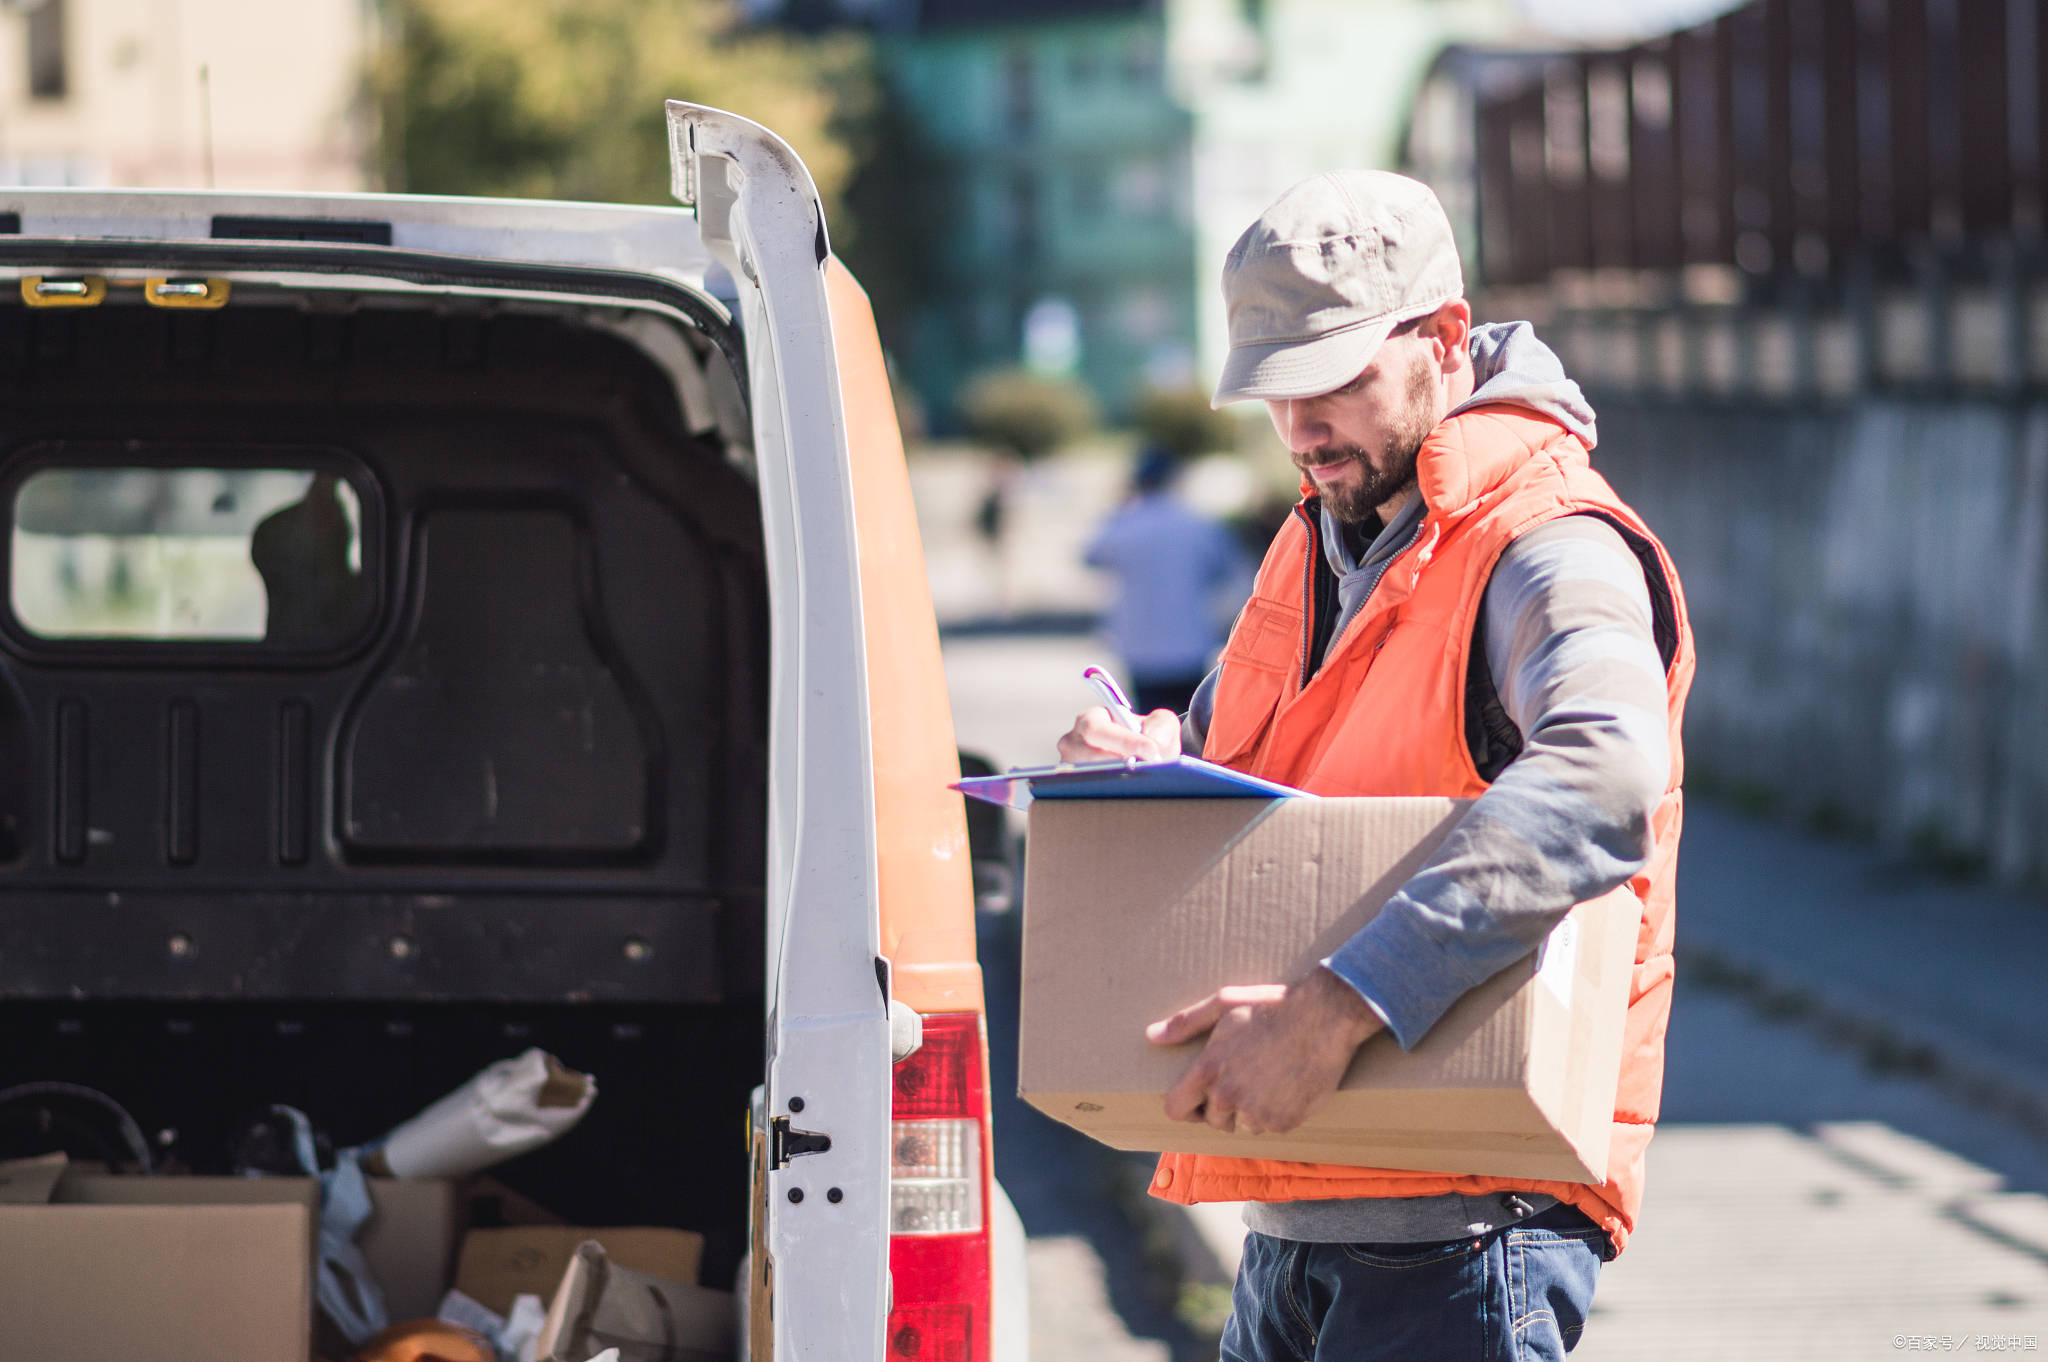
(385, 693)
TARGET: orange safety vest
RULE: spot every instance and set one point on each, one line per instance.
(1385, 715)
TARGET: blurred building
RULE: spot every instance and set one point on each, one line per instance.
(1791, 201)
(1279, 90)
(1050, 130)
(242, 94)
(1080, 167)
(1798, 256)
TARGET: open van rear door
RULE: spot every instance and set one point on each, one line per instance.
(822, 1136)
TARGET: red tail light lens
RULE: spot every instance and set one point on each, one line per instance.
(938, 1195)
(943, 1076)
(932, 1333)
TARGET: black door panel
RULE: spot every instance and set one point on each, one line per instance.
(540, 764)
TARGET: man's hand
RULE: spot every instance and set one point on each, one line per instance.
(1275, 1051)
(1097, 737)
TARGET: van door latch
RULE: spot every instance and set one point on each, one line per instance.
(785, 1144)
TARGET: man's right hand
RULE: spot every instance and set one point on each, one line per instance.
(1095, 736)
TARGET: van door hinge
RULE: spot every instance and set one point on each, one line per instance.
(785, 1144)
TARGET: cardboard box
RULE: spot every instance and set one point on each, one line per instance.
(29, 1182)
(498, 1264)
(648, 1318)
(409, 1242)
(167, 1282)
(1135, 908)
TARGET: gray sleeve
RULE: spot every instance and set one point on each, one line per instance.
(1570, 643)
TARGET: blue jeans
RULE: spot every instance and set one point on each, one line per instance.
(1517, 1294)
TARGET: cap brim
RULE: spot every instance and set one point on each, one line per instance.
(1299, 368)
(1307, 368)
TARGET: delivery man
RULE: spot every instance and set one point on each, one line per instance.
(1459, 606)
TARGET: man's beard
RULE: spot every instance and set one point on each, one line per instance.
(1354, 503)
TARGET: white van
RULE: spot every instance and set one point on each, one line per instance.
(438, 626)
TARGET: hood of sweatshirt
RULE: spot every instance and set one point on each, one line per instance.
(1509, 366)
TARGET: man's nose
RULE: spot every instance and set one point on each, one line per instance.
(1302, 426)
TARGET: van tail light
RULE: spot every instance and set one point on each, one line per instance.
(938, 1197)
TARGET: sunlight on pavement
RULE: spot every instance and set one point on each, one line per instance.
(1071, 1316)
(1764, 1243)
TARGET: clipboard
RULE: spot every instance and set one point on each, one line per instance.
(1181, 778)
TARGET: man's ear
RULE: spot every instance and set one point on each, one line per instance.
(1450, 326)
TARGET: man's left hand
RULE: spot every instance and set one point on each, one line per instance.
(1275, 1051)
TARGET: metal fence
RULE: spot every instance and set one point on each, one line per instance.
(1785, 138)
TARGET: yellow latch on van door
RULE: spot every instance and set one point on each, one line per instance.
(88, 291)
(202, 293)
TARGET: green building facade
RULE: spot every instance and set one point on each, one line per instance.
(1060, 179)
(1063, 166)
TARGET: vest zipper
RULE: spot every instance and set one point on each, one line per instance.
(1308, 589)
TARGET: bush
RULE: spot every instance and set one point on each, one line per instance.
(1180, 421)
(1025, 413)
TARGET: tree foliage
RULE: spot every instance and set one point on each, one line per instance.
(1181, 421)
(1025, 413)
(563, 98)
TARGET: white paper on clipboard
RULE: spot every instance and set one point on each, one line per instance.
(1180, 778)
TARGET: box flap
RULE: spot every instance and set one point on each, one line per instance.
(30, 1182)
(409, 1242)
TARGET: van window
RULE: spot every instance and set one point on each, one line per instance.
(261, 555)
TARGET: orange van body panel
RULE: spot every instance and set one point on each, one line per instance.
(926, 878)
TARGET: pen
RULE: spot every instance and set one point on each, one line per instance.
(1113, 696)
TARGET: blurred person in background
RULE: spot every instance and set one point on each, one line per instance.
(1173, 566)
(1459, 606)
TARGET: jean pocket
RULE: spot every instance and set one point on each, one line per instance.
(1403, 1257)
(1551, 1276)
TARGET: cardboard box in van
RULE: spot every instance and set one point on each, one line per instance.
(497, 1265)
(1135, 908)
(196, 1269)
(184, 1267)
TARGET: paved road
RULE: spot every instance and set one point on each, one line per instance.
(1801, 1206)
(1095, 1292)
(1819, 1188)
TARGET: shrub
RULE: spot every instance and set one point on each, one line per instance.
(1181, 421)
(1025, 413)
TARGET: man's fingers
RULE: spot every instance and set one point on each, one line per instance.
(1220, 1113)
(1185, 1100)
(1162, 727)
(1278, 1124)
(1097, 737)
(1187, 1023)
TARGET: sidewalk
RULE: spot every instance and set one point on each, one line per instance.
(1843, 1242)
(1940, 977)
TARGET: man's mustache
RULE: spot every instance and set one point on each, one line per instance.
(1330, 454)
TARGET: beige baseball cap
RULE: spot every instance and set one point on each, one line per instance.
(1314, 286)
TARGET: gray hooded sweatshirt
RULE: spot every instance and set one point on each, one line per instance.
(1568, 636)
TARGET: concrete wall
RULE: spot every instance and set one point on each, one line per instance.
(1866, 583)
